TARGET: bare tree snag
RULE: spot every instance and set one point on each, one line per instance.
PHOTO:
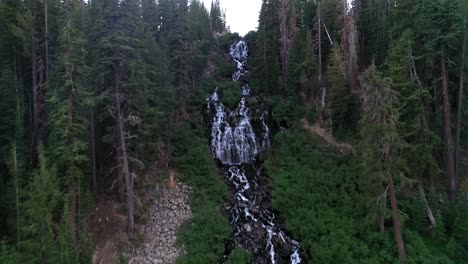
(93, 149)
(460, 106)
(447, 130)
(396, 221)
(319, 17)
(430, 215)
(46, 39)
(122, 154)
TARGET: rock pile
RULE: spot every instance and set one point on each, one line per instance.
(170, 211)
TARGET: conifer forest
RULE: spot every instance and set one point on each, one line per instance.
(148, 131)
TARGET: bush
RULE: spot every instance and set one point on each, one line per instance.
(285, 112)
(204, 236)
(315, 191)
(239, 256)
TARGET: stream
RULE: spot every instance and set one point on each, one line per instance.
(237, 139)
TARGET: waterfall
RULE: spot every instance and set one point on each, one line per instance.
(236, 145)
(239, 53)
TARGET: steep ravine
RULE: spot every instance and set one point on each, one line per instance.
(237, 137)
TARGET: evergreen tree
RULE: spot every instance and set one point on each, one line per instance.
(339, 91)
(380, 147)
(307, 70)
(461, 222)
(151, 16)
(68, 252)
(217, 17)
(8, 255)
(40, 209)
(68, 104)
(414, 100)
(267, 65)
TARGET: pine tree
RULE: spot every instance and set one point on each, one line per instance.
(461, 222)
(339, 91)
(307, 69)
(380, 147)
(151, 16)
(217, 17)
(440, 22)
(414, 101)
(267, 64)
(8, 254)
(180, 58)
(40, 209)
(68, 104)
(68, 251)
(374, 26)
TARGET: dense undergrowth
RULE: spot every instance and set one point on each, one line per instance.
(316, 192)
(205, 234)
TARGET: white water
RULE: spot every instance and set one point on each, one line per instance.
(233, 142)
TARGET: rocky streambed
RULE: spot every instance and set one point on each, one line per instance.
(168, 212)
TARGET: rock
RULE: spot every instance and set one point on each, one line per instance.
(167, 214)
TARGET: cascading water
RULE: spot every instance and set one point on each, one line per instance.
(236, 144)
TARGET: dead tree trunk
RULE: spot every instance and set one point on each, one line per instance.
(396, 221)
(430, 215)
(319, 17)
(122, 154)
(46, 39)
(447, 130)
(93, 148)
(460, 106)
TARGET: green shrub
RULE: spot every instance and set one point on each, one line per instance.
(203, 236)
(239, 256)
(285, 112)
(316, 192)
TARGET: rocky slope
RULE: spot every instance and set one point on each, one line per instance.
(169, 212)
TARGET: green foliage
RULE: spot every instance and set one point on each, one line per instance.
(266, 60)
(40, 209)
(316, 192)
(225, 41)
(414, 99)
(68, 252)
(86, 247)
(8, 88)
(380, 143)
(420, 252)
(285, 112)
(8, 254)
(239, 256)
(204, 236)
(419, 220)
(306, 70)
(218, 18)
(230, 92)
(374, 24)
(461, 222)
(340, 97)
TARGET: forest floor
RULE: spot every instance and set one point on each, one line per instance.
(326, 135)
(108, 228)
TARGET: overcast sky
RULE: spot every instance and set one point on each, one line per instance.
(241, 15)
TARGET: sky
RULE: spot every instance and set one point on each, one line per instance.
(241, 15)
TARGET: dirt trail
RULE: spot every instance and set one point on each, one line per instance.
(326, 135)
